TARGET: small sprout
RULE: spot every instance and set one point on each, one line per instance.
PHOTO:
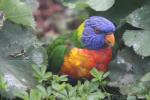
(40, 73)
(98, 75)
(3, 83)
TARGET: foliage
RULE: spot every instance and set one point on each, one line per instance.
(131, 67)
(139, 39)
(40, 73)
(130, 73)
(99, 76)
(20, 50)
(16, 55)
(52, 87)
(148, 96)
(17, 11)
(3, 83)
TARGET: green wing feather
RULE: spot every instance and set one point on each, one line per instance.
(59, 48)
(56, 52)
(56, 58)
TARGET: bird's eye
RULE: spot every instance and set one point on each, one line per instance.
(96, 30)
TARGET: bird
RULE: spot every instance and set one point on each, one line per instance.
(88, 47)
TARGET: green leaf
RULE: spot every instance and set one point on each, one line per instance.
(148, 96)
(140, 17)
(126, 71)
(93, 86)
(35, 95)
(63, 78)
(42, 90)
(49, 90)
(58, 79)
(40, 73)
(43, 70)
(96, 96)
(18, 12)
(139, 39)
(17, 45)
(97, 5)
(105, 75)
(22, 94)
(59, 87)
(100, 5)
(3, 83)
(37, 71)
(48, 75)
(146, 77)
(97, 74)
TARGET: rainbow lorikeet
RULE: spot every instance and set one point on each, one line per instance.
(88, 47)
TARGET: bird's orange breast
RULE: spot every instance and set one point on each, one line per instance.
(79, 62)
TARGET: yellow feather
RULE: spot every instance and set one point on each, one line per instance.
(80, 30)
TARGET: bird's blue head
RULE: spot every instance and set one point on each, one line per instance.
(98, 32)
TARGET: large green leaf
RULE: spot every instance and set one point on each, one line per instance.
(139, 39)
(140, 17)
(127, 69)
(18, 12)
(98, 5)
(18, 52)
